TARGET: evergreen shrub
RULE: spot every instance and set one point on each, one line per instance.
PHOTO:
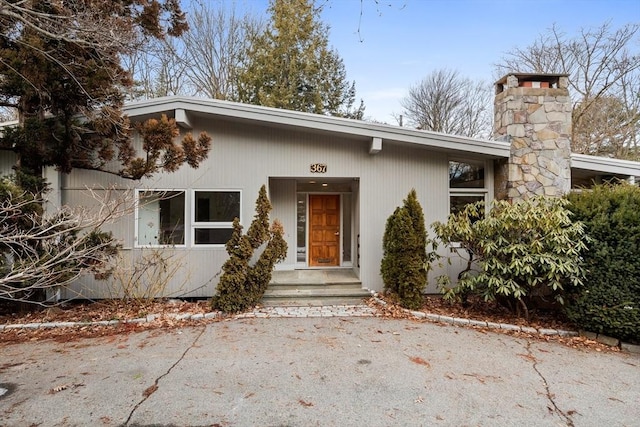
(521, 253)
(609, 303)
(405, 260)
(244, 282)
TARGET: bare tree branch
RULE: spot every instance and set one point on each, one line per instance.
(604, 68)
(446, 102)
(40, 253)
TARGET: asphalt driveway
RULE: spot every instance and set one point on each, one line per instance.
(349, 371)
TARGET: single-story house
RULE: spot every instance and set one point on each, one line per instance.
(333, 182)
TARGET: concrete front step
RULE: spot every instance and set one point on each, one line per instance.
(276, 286)
(313, 300)
(314, 296)
(314, 288)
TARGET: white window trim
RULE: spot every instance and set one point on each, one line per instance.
(138, 191)
(192, 217)
(486, 191)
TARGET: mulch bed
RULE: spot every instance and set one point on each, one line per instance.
(95, 311)
(88, 311)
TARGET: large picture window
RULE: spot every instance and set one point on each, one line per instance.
(160, 218)
(467, 184)
(213, 215)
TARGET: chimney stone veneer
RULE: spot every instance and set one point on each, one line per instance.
(533, 113)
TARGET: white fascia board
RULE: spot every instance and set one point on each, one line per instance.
(605, 165)
(319, 122)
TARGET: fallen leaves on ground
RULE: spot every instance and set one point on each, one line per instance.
(420, 361)
(87, 311)
(149, 391)
(165, 312)
(478, 309)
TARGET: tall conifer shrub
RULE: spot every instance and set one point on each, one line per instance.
(405, 261)
(244, 282)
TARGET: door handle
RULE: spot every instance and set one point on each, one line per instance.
(337, 233)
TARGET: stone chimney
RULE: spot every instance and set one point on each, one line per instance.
(533, 113)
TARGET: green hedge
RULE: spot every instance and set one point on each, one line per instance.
(609, 303)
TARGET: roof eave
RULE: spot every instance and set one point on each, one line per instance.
(605, 165)
(338, 125)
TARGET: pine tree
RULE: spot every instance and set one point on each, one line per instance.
(60, 69)
(291, 66)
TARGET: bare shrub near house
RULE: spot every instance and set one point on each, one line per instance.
(243, 283)
(146, 277)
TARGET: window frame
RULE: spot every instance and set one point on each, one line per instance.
(210, 224)
(471, 191)
(136, 235)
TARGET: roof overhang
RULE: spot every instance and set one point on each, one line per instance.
(605, 165)
(378, 134)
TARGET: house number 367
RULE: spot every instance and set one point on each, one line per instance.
(318, 168)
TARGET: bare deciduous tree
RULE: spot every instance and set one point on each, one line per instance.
(603, 65)
(446, 102)
(157, 69)
(204, 62)
(215, 47)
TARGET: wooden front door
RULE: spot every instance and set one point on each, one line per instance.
(324, 230)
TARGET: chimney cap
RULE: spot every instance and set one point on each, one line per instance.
(527, 77)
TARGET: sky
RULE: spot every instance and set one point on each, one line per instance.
(389, 45)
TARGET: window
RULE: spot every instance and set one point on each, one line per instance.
(466, 175)
(467, 184)
(301, 228)
(457, 202)
(213, 215)
(160, 218)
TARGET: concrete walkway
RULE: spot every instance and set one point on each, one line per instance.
(322, 371)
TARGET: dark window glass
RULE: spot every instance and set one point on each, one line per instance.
(217, 206)
(301, 228)
(457, 203)
(212, 236)
(466, 175)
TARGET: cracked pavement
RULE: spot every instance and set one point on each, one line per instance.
(316, 371)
